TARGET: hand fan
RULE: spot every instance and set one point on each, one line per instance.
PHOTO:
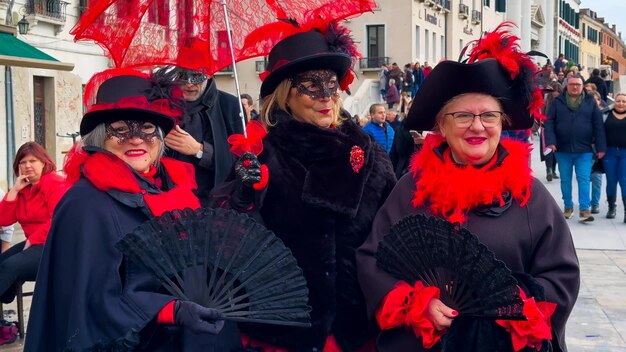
(225, 260)
(439, 253)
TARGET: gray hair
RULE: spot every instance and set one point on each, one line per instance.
(98, 136)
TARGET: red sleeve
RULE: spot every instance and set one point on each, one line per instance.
(166, 314)
(405, 306)
(7, 211)
(537, 326)
(53, 189)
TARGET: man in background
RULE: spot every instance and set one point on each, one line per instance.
(248, 107)
(574, 124)
(210, 117)
(378, 128)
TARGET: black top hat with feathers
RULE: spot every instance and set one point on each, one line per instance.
(125, 94)
(325, 46)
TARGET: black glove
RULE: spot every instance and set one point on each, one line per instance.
(247, 173)
(197, 318)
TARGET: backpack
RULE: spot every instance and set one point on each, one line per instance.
(8, 332)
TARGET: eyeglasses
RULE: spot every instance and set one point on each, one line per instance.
(464, 119)
(191, 77)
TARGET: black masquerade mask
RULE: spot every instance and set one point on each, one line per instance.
(142, 129)
(191, 77)
(316, 84)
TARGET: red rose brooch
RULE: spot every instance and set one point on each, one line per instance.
(357, 158)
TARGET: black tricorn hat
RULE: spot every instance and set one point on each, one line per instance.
(496, 68)
(450, 78)
(302, 52)
(127, 97)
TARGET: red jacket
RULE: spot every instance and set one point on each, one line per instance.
(34, 206)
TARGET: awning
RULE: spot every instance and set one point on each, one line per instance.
(14, 52)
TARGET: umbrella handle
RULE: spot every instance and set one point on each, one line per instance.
(232, 55)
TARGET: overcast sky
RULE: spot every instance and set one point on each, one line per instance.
(613, 11)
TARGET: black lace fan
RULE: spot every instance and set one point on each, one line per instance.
(224, 260)
(435, 251)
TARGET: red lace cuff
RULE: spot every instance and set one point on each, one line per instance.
(405, 306)
(536, 328)
(166, 314)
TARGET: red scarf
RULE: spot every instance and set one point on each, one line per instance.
(452, 190)
(108, 172)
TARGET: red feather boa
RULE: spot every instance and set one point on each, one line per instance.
(106, 171)
(452, 190)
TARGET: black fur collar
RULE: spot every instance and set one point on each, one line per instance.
(324, 153)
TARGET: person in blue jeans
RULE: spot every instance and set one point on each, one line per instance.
(581, 164)
(596, 190)
(615, 159)
(575, 123)
(596, 169)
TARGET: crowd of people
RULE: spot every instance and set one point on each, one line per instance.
(159, 141)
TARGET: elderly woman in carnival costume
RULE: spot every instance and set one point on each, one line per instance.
(327, 180)
(466, 174)
(88, 295)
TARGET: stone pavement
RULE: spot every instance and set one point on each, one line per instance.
(598, 321)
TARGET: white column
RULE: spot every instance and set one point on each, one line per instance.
(550, 32)
(514, 14)
(525, 25)
(545, 31)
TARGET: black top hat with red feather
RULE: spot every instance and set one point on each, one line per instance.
(325, 46)
(125, 94)
(496, 67)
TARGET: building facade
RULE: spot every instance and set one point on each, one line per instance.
(567, 31)
(613, 51)
(590, 38)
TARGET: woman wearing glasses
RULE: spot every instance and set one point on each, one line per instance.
(466, 174)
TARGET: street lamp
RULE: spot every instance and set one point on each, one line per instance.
(22, 25)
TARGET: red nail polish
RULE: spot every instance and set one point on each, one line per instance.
(455, 313)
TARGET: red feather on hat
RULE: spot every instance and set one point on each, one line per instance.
(502, 45)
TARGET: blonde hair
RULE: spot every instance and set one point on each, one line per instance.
(278, 100)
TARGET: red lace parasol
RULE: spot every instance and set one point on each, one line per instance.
(192, 33)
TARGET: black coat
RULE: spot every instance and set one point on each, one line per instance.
(323, 211)
(89, 297)
(210, 120)
(533, 239)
